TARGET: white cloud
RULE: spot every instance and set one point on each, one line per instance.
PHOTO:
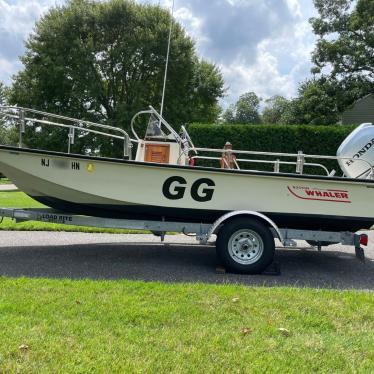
(194, 25)
(261, 46)
(294, 7)
(17, 19)
(262, 77)
(7, 67)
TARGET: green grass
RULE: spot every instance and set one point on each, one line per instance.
(133, 327)
(5, 181)
(16, 199)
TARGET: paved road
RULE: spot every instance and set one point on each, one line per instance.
(142, 257)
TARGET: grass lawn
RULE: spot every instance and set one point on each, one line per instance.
(62, 326)
(5, 181)
(16, 199)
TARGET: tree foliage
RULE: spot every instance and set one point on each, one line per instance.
(104, 61)
(310, 139)
(275, 110)
(343, 59)
(320, 101)
(244, 111)
(317, 103)
(7, 134)
(2, 102)
(2, 93)
(346, 37)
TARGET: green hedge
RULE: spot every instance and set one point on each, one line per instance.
(318, 140)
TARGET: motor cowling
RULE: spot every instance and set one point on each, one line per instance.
(357, 152)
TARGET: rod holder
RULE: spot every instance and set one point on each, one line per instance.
(71, 135)
(277, 166)
(300, 162)
(22, 126)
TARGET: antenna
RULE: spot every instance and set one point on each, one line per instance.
(167, 59)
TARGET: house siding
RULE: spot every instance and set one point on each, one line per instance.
(361, 112)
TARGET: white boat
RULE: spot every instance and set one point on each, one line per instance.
(161, 184)
(166, 183)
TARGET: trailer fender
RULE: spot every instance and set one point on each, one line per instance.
(214, 228)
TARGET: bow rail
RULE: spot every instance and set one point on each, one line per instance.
(23, 116)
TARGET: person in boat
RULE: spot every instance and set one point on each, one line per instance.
(228, 160)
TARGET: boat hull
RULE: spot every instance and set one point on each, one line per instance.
(125, 189)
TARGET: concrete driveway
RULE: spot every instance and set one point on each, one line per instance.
(8, 187)
(143, 257)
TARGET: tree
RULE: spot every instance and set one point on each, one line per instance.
(2, 93)
(317, 104)
(346, 37)
(321, 101)
(275, 109)
(229, 116)
(245, 110)
(7, 134)
(343, 59)
(2, 102)
(104, 61)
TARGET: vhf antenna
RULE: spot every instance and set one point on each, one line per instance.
(167, 59)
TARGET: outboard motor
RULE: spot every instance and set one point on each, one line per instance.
(357, 152)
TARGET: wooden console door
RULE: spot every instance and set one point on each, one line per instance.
(158, 153)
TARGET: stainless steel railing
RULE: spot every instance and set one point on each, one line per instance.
(300, 163)
(24, 115)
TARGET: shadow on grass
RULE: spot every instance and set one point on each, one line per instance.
(181, 263)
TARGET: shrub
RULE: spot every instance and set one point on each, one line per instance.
(313, 140)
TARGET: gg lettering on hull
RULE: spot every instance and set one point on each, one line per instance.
(202, 190)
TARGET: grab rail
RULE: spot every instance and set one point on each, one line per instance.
(276, 163)
(300, 159)
(19, 114)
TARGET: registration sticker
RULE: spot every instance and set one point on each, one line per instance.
(90, 167)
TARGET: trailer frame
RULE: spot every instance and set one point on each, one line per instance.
(202, 231)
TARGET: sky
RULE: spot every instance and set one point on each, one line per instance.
(260, 45)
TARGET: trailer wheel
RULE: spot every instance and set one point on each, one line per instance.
(245, 246)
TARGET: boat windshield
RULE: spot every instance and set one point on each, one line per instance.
(154, 128)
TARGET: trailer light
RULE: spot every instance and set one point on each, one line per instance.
(364, 239)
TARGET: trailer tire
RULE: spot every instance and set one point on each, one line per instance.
(245, 246)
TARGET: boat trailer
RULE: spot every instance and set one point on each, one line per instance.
(202, 231)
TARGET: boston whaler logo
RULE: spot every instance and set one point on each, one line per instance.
(361, 152)
(320, 194)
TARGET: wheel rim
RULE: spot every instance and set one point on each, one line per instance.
(245, 247)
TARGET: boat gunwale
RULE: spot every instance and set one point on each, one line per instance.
(182, 167)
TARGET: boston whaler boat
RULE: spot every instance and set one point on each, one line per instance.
(164, 182)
